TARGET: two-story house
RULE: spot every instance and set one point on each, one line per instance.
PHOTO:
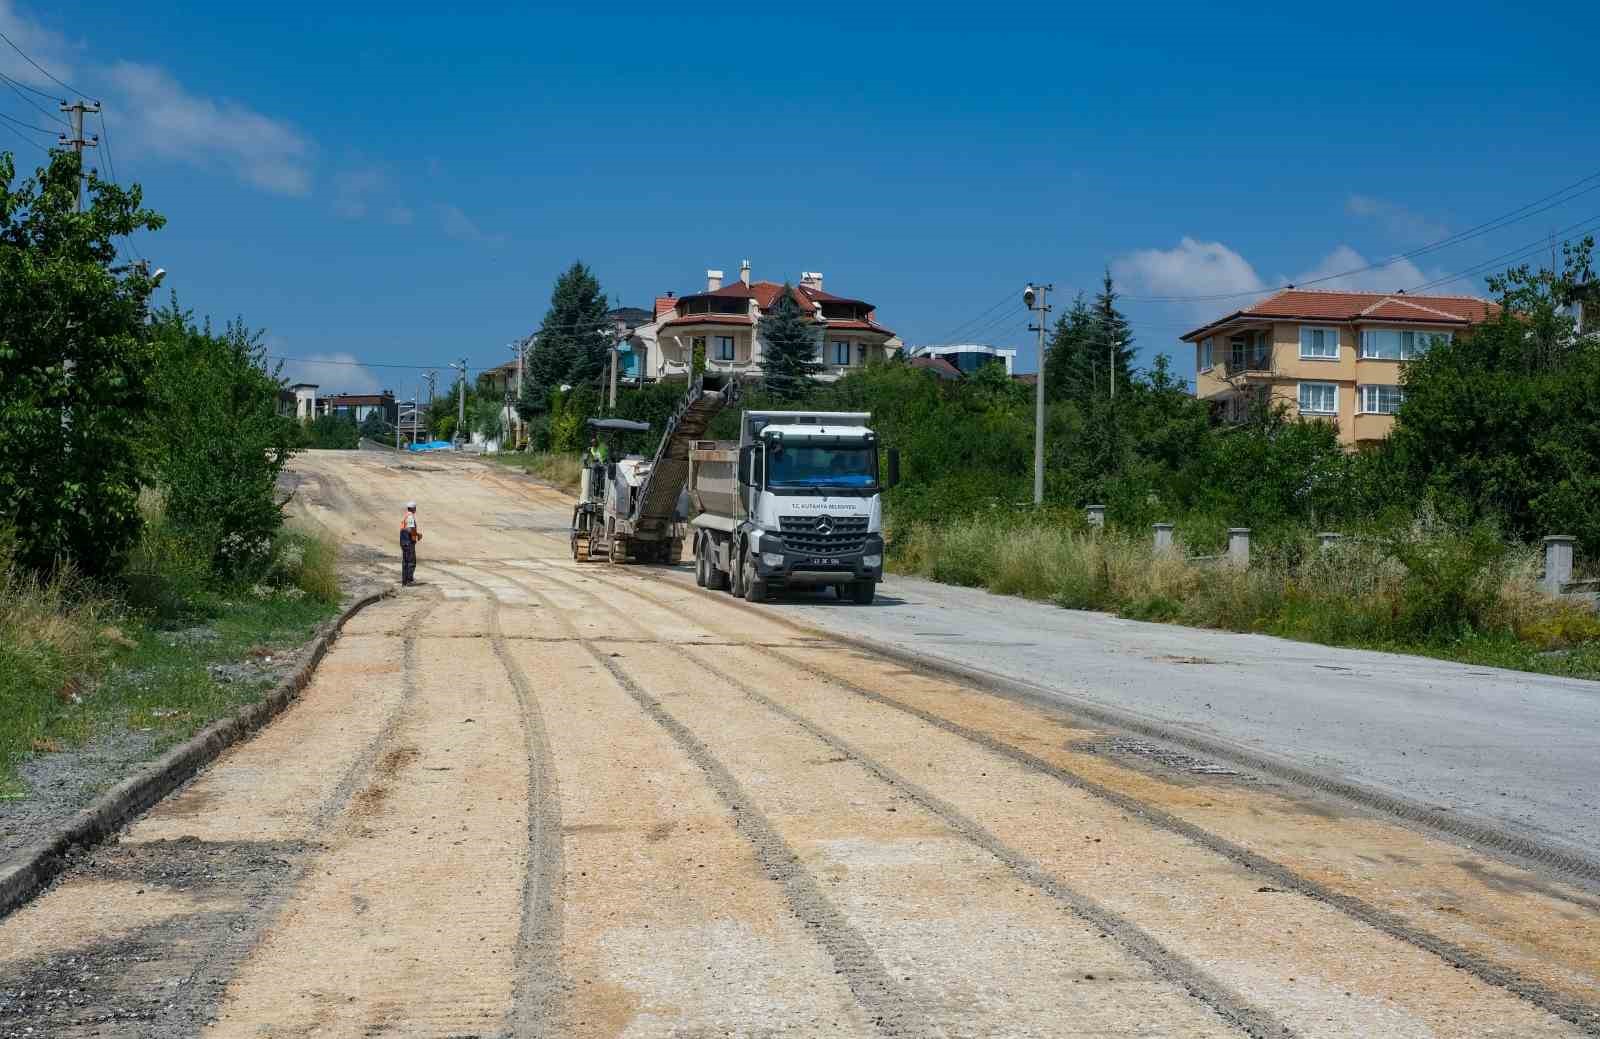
(723, 325)
(1333, 355)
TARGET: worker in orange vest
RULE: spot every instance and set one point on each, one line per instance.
(409, 536)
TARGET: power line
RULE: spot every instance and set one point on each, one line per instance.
(1537, 206)
(47, 73)
(26, 126)
(25, 139)
(963, 328)
(17, 89)
(1517, 253)
(361, 364)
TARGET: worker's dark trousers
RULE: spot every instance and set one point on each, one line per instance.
(408, 557)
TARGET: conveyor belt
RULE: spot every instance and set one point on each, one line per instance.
(657, 498)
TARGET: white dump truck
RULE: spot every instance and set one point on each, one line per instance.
(796, 502)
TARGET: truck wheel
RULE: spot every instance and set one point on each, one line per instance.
(735, 571)
(715, 577)
(755, 587)
(863, 591)
(700, 577)
(619, 550)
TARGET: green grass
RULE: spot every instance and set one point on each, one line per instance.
(559, 468)
(1428, 590)
(77, 661)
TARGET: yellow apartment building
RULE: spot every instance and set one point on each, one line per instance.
(1332, 355)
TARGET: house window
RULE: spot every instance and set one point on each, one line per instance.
(841, 352)
(1393, 344)
(1380, 400)
(1206, 359)
(724, 348)
(1319, 344)
(1319, 398)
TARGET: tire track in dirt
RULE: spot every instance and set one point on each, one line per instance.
(1166, 963)
(1583, 1015)
(891, 1007)
(538, 1003)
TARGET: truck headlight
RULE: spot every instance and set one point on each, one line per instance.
(874, 560)
(772, 558)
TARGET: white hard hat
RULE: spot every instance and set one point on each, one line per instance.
(411, 505)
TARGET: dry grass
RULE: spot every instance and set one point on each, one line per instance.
(1423, 587)
(560, 469)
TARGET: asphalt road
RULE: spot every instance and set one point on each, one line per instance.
(1511, 749)
(531, 797)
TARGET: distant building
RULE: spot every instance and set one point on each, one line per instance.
(357, 406)
(723, 325)
(939, 367)
(969, 357)
(305, 401)
(1331, 355)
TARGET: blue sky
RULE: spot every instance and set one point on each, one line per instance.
(401, 183)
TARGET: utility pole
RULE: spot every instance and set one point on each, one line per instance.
(77, 142)
(617, 336)
(1034, 298)
(1111, 365)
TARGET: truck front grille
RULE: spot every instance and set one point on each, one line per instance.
(824, 535)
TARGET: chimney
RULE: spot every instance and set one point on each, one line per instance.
(713, 280)
(811, 280)
(744, 272)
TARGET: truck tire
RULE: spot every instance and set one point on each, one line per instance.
(755, 587)
(701, 578)
(716, 577)
(862, 592)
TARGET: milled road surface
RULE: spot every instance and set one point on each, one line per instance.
(536, 799)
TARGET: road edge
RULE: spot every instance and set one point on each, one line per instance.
(32, 869)
(1478, 834)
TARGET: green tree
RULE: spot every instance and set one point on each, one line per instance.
(74, 358)
(789, 358)
(572, 344)
(1502, 423)
(1070, 369)
(214, 442)
(1111, 344)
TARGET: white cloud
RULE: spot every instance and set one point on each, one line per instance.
(44, 45)
(1330, 274)
(161, 117)
(457, 224)
(1193, 268)
(1406, 226)
(332, 373)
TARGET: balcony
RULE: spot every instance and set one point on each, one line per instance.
(1246, 365)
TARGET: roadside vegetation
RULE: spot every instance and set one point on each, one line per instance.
(1496, 445)
(146, 572)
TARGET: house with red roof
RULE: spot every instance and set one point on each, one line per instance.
(723, 325)
(1330, 355)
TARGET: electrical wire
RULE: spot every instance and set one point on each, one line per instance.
(47, 73)
(17, 89)
(24, 138)
(960, 329)
(367, 364)
(1593, 224)
(26, 126)
(1537, 206)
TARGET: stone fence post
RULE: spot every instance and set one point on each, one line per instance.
(1163, 537)
(1096, 515)
(1557, 562)
(1239, 546)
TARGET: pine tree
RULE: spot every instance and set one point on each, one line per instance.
(1069, 364)
(789, 348)
(572, 344)
(1112, 340)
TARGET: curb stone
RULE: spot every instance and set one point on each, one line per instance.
(30, 870)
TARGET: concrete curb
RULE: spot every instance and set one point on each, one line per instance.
(29, 871)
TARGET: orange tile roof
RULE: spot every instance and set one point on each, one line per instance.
(1353, 307)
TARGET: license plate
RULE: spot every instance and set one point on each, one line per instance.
(821, 561)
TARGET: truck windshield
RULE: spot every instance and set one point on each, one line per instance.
(796, 466)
